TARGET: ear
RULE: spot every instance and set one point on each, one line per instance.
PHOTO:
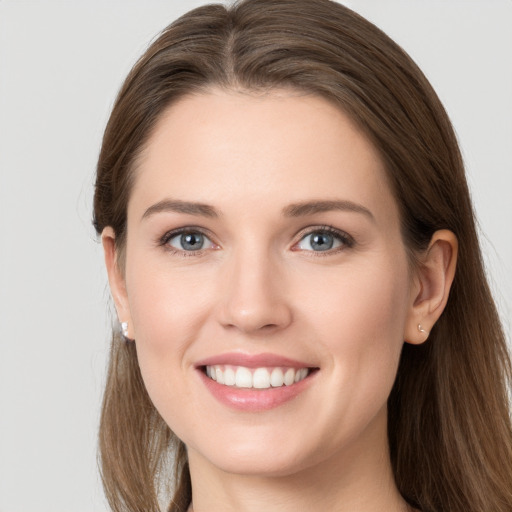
(432, 283)
(116, 277)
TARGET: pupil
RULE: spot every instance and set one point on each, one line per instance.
(192, 241)
(322, 241)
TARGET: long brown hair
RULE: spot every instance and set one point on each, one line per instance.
(449, 425)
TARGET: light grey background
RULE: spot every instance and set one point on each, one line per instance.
(61, 64)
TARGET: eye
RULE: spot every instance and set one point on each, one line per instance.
(189, 241)
(322, 240)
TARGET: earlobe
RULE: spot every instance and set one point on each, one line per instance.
(434, 279)
(115, 276)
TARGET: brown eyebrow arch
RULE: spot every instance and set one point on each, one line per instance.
(292, 210)
(312, 207)
(178, 206)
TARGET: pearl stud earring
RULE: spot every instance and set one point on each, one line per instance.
(124, 330)
(423, 331)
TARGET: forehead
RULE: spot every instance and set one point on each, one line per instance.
(281, 145)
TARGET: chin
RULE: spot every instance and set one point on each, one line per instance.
(263, 457)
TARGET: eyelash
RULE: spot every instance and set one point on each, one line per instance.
(164, 241)
(346, 240)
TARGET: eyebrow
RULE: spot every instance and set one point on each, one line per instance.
(293, 210)
(312, 207)
(187, 207)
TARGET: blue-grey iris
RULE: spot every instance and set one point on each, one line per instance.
(321, 241)
(192, 241)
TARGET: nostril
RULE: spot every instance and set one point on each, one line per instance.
(269, 326)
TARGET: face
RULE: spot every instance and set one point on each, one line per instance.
(265, 282)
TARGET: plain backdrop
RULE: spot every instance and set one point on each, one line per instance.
(61, 64)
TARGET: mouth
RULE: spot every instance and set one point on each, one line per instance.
(255, 382)
(243, 377)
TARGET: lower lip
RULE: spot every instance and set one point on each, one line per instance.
(254, 400)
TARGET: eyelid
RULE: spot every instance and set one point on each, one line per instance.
(163, 241)
(346, 240)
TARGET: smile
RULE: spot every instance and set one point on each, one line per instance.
(251, 383)
(255, 378)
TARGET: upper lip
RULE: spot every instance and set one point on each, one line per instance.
(252, 360)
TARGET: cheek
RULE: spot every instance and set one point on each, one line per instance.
(359, 327)
(167, 310)
(167, 314)
(368, 299)
(166, 306)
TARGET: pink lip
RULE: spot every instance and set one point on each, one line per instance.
(253, 400)
(252, 360)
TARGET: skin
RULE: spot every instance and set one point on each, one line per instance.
(258, 286)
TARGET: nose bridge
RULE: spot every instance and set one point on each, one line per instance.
(254, 294)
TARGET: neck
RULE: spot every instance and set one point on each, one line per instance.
(358, 479)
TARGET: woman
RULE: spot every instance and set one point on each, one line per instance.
(292, 253)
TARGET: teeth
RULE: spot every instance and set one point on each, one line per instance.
(276, 378)
(261, 379)
(301, 374)
(229, 377)
(243, 377)
(257, 378)
(289, 377)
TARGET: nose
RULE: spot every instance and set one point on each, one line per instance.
(254, 295)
